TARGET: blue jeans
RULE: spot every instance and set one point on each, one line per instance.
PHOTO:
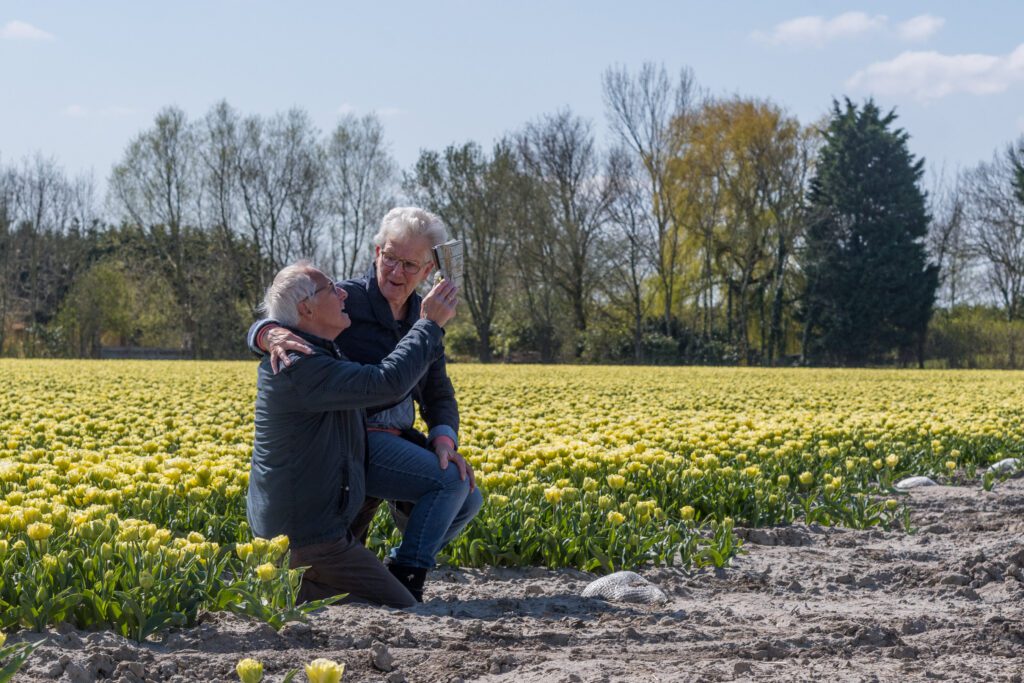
(443, 503)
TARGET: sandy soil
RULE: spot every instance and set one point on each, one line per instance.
(944, 603)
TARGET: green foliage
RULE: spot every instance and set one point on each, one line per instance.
(110, 305)
(13, 656)
(869, 288)
(973, 337)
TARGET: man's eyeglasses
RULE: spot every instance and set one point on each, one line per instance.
(331, 284)
(392, 261)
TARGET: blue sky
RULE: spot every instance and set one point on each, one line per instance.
(79, 79)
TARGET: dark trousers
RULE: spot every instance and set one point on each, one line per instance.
(346, 566)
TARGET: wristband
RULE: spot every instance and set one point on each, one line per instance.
(259, 338)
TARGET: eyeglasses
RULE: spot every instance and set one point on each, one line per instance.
(331, 284)
(392, 261)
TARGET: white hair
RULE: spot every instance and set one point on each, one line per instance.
(404, 222)
(291, 285)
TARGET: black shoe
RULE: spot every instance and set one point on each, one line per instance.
(410, 577)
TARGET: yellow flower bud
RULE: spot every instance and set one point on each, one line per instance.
(687, 512)
(616, 481)
(266, 572)
(146, 580)
(892, 460)
(891, 504)
(616, 518)
(806, 478)
(279, 545)
(249, 670)
(324, 671)
(783, 480)
(243, 550)
(40, 531)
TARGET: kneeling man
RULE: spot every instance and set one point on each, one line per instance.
(309, 457)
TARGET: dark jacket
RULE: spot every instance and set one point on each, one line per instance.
(374, 334)
(308, 462)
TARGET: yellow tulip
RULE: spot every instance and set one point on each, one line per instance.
(40, 531)
(249, 670)
(324, 671)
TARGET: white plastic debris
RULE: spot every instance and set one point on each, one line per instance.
(625, 587)
(913, 483)
(1006, 466)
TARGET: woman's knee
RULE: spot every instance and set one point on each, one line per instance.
(474, 501)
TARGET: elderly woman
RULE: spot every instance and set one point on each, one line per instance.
(404, 465)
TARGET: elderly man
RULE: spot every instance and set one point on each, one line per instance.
(308, 463)
(404, 465)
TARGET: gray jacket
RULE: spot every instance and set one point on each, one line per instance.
(309, 457)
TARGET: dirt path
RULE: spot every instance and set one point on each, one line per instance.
(946, 603)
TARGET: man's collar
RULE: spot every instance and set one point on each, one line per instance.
(326, 344)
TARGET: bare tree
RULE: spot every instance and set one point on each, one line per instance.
(44, 208)
(559, 152)
(8, 199)
(219, 142)
(630, 245)
(361, 178)
(481, 200)
(156, 186)
(155, 183)
(274, 169)
(643, 110)
(948, 239)
(996, 233)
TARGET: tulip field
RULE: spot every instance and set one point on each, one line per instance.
(122, 484)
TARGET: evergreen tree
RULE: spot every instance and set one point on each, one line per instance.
(1017, 161)
(869, 288)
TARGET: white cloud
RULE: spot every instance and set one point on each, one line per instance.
(346, 109)
(20, 30)
(931, 75)
(920, 28)
(816, 31)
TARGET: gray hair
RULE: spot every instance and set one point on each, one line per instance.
(291, 285)
(404, 222)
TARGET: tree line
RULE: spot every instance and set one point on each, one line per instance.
(707, 230)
